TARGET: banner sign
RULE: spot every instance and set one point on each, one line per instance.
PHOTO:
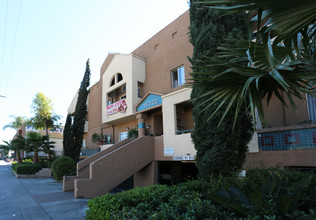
(58, 130)
(119, 106)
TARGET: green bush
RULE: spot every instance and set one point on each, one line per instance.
(262, 194)
(63, 166)
(157, 202)
(25, 168)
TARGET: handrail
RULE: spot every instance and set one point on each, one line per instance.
(184, 131)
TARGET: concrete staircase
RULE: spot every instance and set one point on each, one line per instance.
(45, 172)
(98, 174)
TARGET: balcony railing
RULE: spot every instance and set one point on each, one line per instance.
(287, 139)
(185, 131)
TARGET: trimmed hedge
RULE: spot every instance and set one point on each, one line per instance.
(63, 166)
(262, 194)
(26, 168)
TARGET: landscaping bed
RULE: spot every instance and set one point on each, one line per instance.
(27, 169)
(262, 194)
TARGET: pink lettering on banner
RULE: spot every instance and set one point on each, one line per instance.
(119, 106)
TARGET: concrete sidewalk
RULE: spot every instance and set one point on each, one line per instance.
(36, 198)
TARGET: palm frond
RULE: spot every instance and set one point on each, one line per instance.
(279, 57)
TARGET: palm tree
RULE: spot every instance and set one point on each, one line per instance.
(34, 143)
(278, 58)
(16, 145)
(17, 123)
(47, 146)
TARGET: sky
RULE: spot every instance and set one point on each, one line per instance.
(44, 46)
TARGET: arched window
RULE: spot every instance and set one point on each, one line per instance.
(112, 81)
(119, 77)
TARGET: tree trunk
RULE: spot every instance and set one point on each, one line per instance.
(35, 157)
(48, 155)
(48, 152)
(18, 155)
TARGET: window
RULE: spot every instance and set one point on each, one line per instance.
(311, 104)
(138, 92)
(123, 135)
(112, 82)
(123, 89)
(177, 77)
(119, 77)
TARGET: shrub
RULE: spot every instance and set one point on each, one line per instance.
(157, 202)
(63, 166)
(25, 168)
(262, 194)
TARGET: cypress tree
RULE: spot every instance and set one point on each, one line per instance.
(81, 112)
(220, 149)
(68, 139)
(74, 132)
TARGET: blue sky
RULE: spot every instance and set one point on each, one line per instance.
(44, 45)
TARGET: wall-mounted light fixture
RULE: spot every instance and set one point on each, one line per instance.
(148, 126)
(127, 128)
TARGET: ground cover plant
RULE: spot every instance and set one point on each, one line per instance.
(262, 194)
(26, 167)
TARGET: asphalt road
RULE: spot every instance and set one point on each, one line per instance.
(36, 198)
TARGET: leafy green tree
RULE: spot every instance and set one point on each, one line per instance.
(17, 144)
(220, 149)
(44, 117)
(72, 146)
(34, 143)
(278, 57)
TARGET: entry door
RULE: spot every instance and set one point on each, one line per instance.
(158, 127)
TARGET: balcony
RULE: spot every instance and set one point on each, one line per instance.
(287, 138)
(120, 88)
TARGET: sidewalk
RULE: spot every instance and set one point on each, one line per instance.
(36, 198)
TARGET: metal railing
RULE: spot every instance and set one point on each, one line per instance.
(185, 131)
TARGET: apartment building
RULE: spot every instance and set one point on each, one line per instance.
(145, 90)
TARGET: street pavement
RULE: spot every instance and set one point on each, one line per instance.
(36, 198)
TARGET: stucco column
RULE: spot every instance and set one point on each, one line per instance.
(141, 127)
(141, 124)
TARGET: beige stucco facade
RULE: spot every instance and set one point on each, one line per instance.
(132, 69)
(139, 91)
(175, 144)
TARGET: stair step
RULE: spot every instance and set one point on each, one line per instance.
(44, 172)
